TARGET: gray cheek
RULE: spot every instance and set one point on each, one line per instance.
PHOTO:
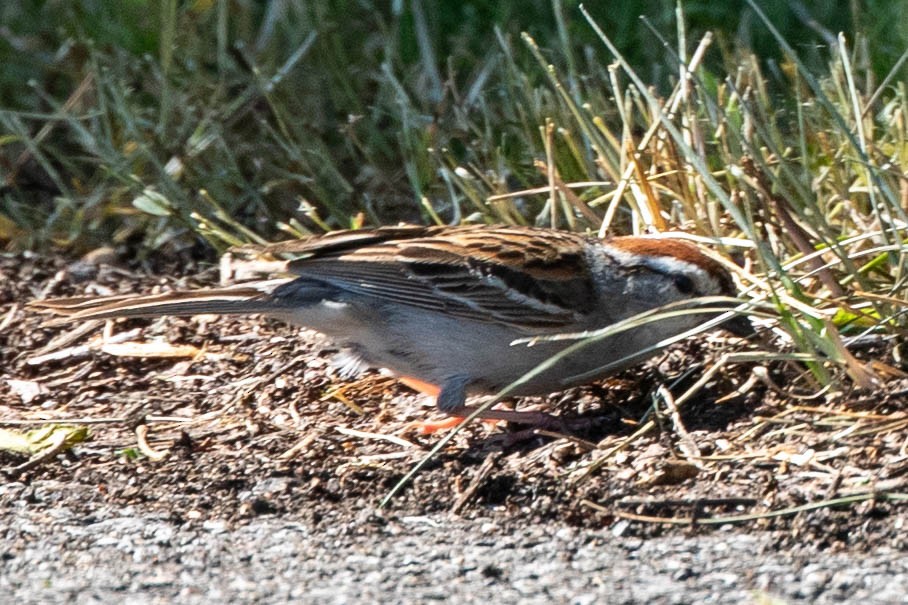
(651, 291)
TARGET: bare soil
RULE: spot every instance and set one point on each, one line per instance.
(253, 427)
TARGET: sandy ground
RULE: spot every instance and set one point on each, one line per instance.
(243, 470)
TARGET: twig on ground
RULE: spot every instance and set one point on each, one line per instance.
(376, 436)
(142, 440)
(852, 499)
(488, 465)
(686, 443)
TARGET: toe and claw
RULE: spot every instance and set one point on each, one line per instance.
(451, 399)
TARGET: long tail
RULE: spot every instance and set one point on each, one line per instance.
(249, 298)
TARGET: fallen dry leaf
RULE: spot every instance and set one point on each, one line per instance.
(27, 390)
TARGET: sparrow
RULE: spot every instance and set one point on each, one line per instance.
(465, 308)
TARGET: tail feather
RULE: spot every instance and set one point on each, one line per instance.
(244, 299)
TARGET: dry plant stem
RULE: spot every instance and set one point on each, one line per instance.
(696, 502)
(592, 467)
(724, 359)
(376, 436)
(142, 442)
(565, 191)
(587, 445)
(474, 413)
(655, 107)
(340, 393)
(89, 421)
(48, 127)
(547, 131)
(10, 315)
(856, 498)
(55, 348)
(300, 446)
(862, 374)
(798, 235)
(687, 444)
(488, 465)
(649, 196)
(673, 103)
(250, 389)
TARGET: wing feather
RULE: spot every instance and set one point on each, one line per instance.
(516, 275)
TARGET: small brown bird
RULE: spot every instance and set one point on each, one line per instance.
(445, 305)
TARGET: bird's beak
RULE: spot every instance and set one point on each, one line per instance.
(740, 326)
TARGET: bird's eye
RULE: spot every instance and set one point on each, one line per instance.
(684, 284)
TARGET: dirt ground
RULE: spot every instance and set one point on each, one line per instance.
(240, 421)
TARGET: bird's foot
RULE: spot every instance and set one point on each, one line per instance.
(429, 427)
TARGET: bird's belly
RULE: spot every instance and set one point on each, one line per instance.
(436, 348)
(491, 359)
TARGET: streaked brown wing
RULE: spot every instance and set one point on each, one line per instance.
(345, 240)
(517, 275)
